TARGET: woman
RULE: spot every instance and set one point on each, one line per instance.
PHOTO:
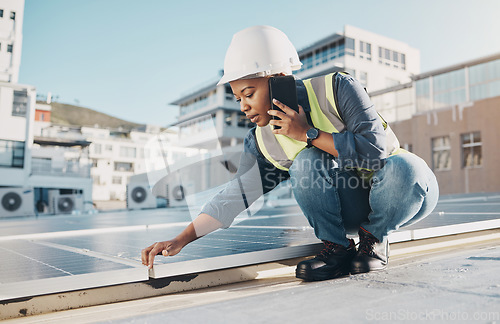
(347, 171)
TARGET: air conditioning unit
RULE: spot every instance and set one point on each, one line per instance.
(64, 203)
(176, 195)
(139, 196)
(17, 202)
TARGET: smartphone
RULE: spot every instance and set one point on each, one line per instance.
(283, 88)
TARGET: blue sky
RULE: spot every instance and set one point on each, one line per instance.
(130, 59)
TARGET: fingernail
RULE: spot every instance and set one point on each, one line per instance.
(275, 100)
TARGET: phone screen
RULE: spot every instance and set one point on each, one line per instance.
(283, 88)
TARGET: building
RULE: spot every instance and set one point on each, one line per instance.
(377, 61)
(17, 104)
(449, 118)
(11, 37)
(115, 156)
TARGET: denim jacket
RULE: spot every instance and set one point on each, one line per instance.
(360, 145)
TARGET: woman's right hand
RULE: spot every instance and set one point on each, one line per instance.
(202, 225)
(166, 248)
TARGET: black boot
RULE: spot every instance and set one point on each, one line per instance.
(332, 262)
(372, 254)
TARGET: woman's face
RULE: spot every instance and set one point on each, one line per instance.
(253, 96)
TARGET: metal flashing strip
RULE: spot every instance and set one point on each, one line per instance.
(31, 288)
(419, 234)
(437, 231)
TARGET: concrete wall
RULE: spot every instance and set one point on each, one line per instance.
(482, 116)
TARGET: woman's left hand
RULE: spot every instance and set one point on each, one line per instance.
(293, 124)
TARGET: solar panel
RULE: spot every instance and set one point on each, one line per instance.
(61, 253)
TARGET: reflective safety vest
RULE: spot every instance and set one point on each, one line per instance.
(281, 150)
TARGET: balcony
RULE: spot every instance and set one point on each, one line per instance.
(48, 167)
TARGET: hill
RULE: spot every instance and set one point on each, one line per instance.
(66, 114)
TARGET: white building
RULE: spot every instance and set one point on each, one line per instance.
(17, 104)
(60, 168)
(11, 27)
(377, 61)
(116, 155)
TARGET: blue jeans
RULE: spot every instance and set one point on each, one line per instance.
(337, 202)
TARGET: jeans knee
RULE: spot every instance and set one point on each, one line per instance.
(310, 170)
(404, 170)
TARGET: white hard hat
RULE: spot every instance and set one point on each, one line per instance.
(259, 51)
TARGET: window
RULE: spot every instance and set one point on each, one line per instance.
(449, 89)
(12, 15)
(484, 80)
(423, 94)
(9, 48)
(11, 154)
(441, 153)
(129, 152)
(228, 118)
(97, 148)
(124, 166)
(1, 13)
(387, 54)
(349, 46)
(391, 58)
(96, 179)
(363, 78)
(108, 147)
(395, 56)
(116, 180)
(365, 50)
(20, 103)
(472, 155)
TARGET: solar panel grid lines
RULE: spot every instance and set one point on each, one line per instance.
(116, 259)
(25, 261)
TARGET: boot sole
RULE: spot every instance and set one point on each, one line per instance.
(319, 275)
(357, 270)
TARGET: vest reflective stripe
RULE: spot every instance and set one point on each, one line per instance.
(329, 93)
(279, 158)
(281, 150)
(320, 115)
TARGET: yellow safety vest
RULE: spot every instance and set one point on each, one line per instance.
(281, 150)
